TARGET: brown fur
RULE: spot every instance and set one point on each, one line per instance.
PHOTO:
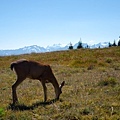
(34, 70)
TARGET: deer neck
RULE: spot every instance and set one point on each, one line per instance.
(55, 83)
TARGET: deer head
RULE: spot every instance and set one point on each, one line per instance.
(60, 89)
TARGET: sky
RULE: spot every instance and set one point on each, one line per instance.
(47, 22)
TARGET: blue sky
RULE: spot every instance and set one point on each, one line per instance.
(48, 22)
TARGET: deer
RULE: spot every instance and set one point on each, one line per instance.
(34, 70)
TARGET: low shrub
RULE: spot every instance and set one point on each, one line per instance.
(109, 60)
(109, 81)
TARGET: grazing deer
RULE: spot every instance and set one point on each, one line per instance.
(34, 70)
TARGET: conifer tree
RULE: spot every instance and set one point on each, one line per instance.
(87, 46)
(119, 43)
(114, 44)
(70, 47)
(110, 44)
(79, 45)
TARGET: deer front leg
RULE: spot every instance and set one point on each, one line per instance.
(14, 94)
(45, 90)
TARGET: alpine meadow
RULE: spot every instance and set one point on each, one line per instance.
(91, 90)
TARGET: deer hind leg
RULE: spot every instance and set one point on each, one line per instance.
(14, 86)
(45, 90)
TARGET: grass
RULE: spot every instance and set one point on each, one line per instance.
(108, 81)
(91, 91)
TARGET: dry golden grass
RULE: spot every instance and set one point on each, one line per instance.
(92, 89)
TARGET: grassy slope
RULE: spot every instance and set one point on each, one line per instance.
(92, 89)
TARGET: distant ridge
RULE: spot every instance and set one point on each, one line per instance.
(55, 47)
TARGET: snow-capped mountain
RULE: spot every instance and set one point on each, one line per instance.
(101, 45)
(55, 47)
(33, 48)
(24, 50)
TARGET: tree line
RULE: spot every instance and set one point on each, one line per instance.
(81, 46)
(114, 44)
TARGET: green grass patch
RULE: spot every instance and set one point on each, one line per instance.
(2, 113)
(108, 81)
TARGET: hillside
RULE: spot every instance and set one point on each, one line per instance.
(91, 91)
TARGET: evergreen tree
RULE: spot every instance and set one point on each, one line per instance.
(70, 47)
(114, 44)
(79, 45)
(119, 43)
(87, 46)
(110, 44)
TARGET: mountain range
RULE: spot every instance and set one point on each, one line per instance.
(54, 47)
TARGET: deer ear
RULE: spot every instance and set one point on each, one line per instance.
(62, 84)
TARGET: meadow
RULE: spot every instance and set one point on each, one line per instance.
(91, 91)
